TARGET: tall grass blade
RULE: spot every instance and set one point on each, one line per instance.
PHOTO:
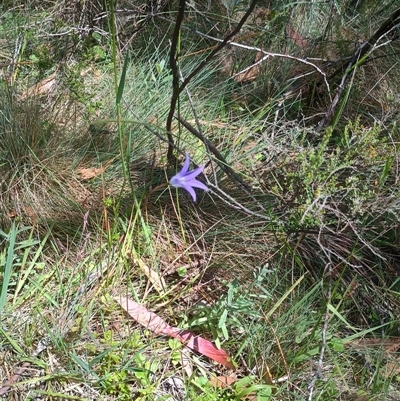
(121, 84)
(8, 267)
(284, 296)
(24, 275)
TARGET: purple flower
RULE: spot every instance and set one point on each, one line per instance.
(187, 179)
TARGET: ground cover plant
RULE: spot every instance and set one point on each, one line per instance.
(199, 200)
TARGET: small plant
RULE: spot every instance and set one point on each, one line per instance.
(13, 256)
(226, 314)
(242, 389)
(118, 372)
(79, 91)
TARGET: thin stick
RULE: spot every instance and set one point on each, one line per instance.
(173, 63)
(359, 58)
(222, 44)
(318, 373)
(278, 345)
(177, 90)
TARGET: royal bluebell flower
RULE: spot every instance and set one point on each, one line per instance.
(187, 179)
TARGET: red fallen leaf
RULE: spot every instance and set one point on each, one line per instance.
(159, 326)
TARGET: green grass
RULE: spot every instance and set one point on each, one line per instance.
(292, 279)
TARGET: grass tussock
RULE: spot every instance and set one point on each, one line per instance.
(289, 263)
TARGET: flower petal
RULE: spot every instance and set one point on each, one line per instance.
(185, 167)
(187, 179)
(198, 184)
(190, 175)
(191, 191)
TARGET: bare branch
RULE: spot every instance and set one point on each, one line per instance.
(359, 58)
(173, 56)
(267, 55)
(222, 44)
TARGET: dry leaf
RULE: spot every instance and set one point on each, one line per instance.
(157, 325)
(391, 346)
(252, 72)
(12, 213)
(296, 37)
(222, 381)
(249, 75)
(88, 173)
(8, 384)
(41, 88)
(155, 278)
(14, 378)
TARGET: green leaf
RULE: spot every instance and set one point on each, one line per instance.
(8, 268)
(337, 345)
(121, 85)
(222, 324)
(13, 343)
(388, 165)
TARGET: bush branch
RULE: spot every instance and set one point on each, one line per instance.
(176, 89)
(359, 58)
(173, 57)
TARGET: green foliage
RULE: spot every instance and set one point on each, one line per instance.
(224, 313)
(346, 170)
(79, 91)
(13, 257)
(7, 264)
(116, 370)
(245, 387)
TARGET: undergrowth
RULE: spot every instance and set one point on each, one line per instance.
(290, 262)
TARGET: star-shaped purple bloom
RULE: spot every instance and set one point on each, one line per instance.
(187, 179)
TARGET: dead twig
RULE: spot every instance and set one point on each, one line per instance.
(173, 63)
(318, 373)
(6, 387)
(266, 55)
(359, 58)
(174, 66)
